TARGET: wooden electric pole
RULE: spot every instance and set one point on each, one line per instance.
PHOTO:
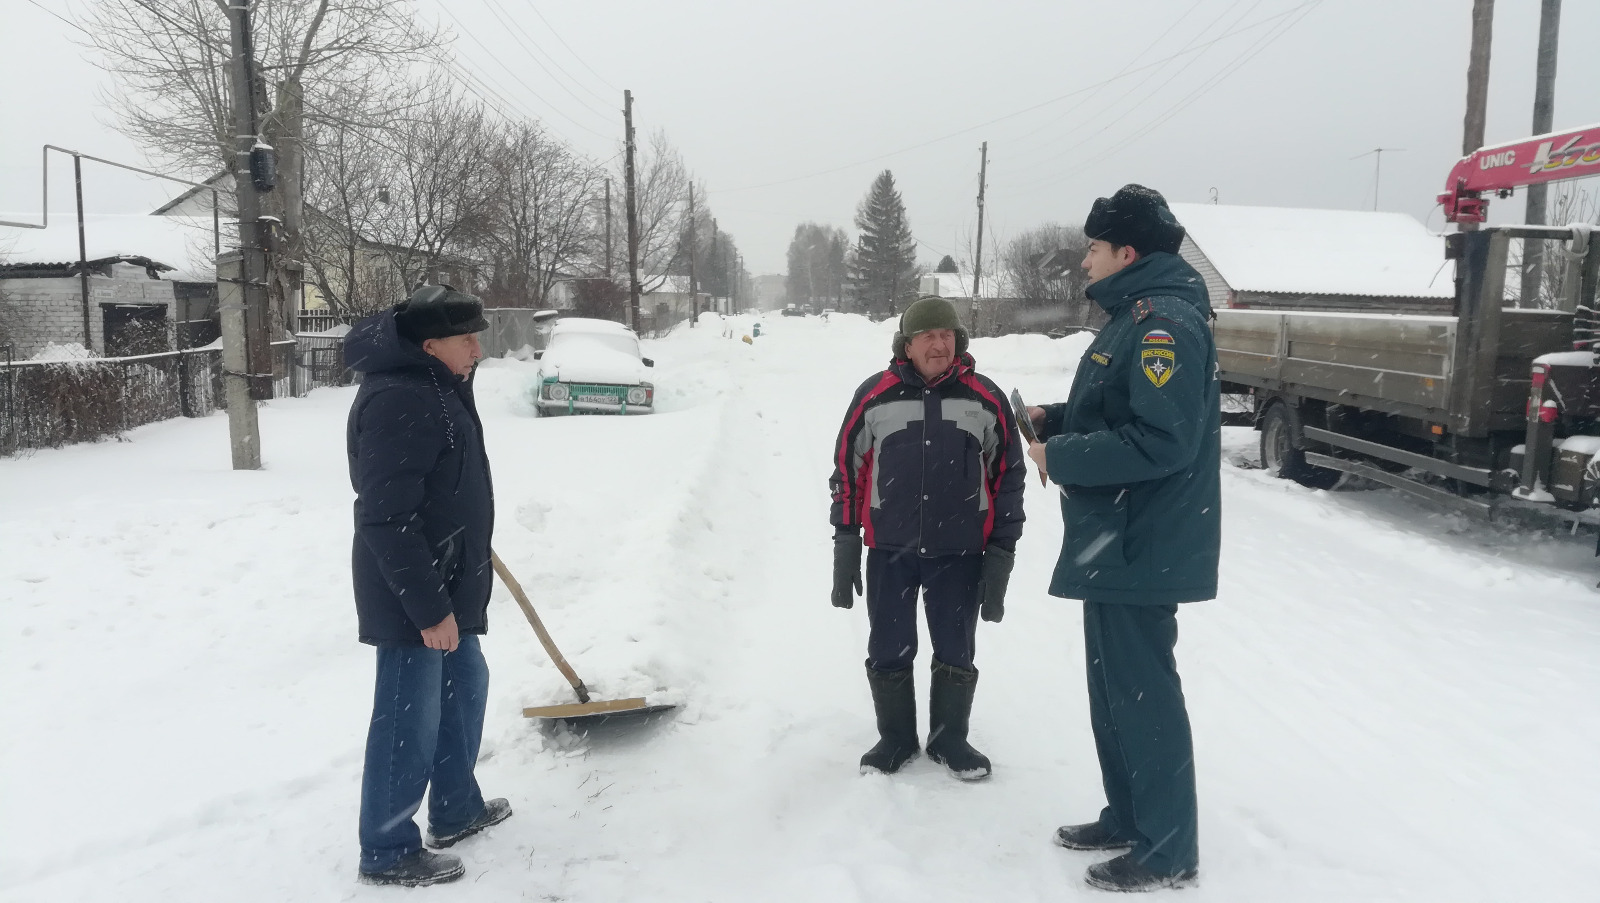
(633, 214)
(1477, 82)
(1544, 107)
(977, 260)
(694, 292)
(242, 276)
(290, 145)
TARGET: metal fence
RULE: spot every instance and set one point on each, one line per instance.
(320, 321)
(49, 404)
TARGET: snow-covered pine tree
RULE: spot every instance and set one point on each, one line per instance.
(884, 265)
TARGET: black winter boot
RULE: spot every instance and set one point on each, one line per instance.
(894, 698)
(949, 707)
(420, 869)
(1091, 836)
(1127, 875)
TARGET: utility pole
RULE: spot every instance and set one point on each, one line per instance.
(291, 165)
(977, 260)
(711, 263)
(1544, 105)
(1477, 82)
(694, 293)
(608, 228)
(1377, 168)
(83, 257)
(633, 214)
(244, 299)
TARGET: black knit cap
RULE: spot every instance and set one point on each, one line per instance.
(1135, 216)
(438, 312)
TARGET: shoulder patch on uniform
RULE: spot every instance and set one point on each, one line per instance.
(1158, 337)
(1101, 358)
(1158, 364)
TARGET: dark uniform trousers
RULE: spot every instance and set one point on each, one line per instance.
(1141, 732)
(949, 585)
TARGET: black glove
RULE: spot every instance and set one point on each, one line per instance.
(992, 583)
(846, 570)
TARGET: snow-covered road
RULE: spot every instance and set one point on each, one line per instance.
(1388, 703)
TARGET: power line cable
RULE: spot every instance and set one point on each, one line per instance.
(1134, 59)
(491, 54)
(604, 99)
(52, 12)
(1012, 115)
(498, 11)
(1128, 110)
(1239, 61)
(564, 43)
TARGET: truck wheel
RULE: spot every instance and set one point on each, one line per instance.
(1281, 453)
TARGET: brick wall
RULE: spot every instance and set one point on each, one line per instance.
(41, 311)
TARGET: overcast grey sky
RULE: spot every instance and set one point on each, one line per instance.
(787, 110)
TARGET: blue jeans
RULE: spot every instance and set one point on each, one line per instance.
(427, 723)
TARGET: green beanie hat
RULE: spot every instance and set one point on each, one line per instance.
(925, 313)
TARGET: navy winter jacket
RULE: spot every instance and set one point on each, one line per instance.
(424, 510)
(1137, 447)
(931, 469)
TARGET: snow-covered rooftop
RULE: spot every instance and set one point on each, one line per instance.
(1320, 252)
(183, 244)
(957, 285)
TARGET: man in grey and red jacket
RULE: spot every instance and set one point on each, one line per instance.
(928, 474)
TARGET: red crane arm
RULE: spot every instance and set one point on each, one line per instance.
(1572, 154)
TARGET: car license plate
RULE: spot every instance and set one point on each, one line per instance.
(600, 399)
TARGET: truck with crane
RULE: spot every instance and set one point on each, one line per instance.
(1493, 408)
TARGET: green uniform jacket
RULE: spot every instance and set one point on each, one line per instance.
(1137, 447)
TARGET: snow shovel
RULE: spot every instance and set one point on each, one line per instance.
(584, 707)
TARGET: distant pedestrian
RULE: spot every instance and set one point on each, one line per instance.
(1136, 450)
(424, 513)
(928, 472)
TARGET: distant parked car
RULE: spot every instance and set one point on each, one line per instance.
(794, 311)
(593, 367)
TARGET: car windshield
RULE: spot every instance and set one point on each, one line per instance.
(626, 344)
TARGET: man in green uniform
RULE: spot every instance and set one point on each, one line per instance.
(1136, 450)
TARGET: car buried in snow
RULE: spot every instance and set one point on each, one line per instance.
(593, 367)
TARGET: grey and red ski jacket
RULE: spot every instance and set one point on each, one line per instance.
(931, 468)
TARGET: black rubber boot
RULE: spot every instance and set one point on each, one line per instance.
(949, 708)
(894, 698)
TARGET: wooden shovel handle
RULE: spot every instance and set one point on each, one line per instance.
(538, 626)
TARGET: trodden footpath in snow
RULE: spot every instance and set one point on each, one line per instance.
(1388, 704)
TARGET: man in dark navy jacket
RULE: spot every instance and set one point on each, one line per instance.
(1136, 450)
(928, 472)
(424, 514)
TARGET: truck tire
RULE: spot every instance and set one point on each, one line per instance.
(1281, 449)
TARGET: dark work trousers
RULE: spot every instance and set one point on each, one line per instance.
(1141, 732)
(949, 585)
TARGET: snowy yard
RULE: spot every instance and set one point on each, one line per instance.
(1388, 703)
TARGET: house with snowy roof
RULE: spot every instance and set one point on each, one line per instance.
(150, 284)
(1282, 257)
